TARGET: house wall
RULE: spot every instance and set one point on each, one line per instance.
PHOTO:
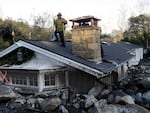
(26, 80)
(116, 76)
(122, 71)
(112, 78)
(138, 56)
(80, 82)
(34, 81)
(60, 81)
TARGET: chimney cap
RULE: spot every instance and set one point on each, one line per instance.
(84, 19)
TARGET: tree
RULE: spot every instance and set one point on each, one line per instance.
(6, 29)
(21, 30)
(11, 30)
(139, 29)
(122, 19)
(42, 26)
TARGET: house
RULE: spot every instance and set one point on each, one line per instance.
(77, 67)
(133, 49)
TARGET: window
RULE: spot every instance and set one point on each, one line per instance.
(49, 79)
(33, 81)
(19, 80)
(24, 80)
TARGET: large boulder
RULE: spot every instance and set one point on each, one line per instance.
(138, 97)
(47, 94)
(102, 107)
(107, 108)
(90, 101)
(145, 82)
(95, 91)
(6, 93)
(146, 96)
(63, 109)
(50, 104)
(120, 97)
(132, 109)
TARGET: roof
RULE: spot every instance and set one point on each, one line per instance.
(128, 45)
(67, 53)
(113, 55)
(115, 52)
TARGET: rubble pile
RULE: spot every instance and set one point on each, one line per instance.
(132, 95)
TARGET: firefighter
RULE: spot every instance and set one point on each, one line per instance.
(59, 28)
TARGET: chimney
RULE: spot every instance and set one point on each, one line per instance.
(86, 38)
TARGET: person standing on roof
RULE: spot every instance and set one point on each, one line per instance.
(59, 28)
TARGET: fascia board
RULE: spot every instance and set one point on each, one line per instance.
(9, 49)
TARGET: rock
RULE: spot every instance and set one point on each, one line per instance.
(76, 105)
(104, 93)
(138, 97)
(108, 108)
(100, 103)
(42, 95)
(47, 94)
(64, 97)
(74, 110)
(50, 104)
(145, 81)
(120, 97)
(146, 96)
(31, 102)
(38, 103)
(6, 93)
(54, 93)
(20, 100)
(15, 105)
(92, 110)
(63, 109)
(130, 91)
(95, 91)
(127, 99)
(146, 69)
(90, 101)
(132, 109)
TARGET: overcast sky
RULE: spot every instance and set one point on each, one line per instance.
(107, 10)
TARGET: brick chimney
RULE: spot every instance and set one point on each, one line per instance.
(86, 38)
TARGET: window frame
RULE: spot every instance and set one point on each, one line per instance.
(48, 78)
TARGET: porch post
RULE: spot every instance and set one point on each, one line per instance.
(66, 79)
(40, 81)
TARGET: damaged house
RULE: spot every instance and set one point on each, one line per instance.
(85, 61)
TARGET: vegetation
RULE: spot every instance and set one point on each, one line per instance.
(17, 56)
(42, 26)
(11, 30)
(139, 30)
(105, 35)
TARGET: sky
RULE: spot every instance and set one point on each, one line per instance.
(109, 11)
